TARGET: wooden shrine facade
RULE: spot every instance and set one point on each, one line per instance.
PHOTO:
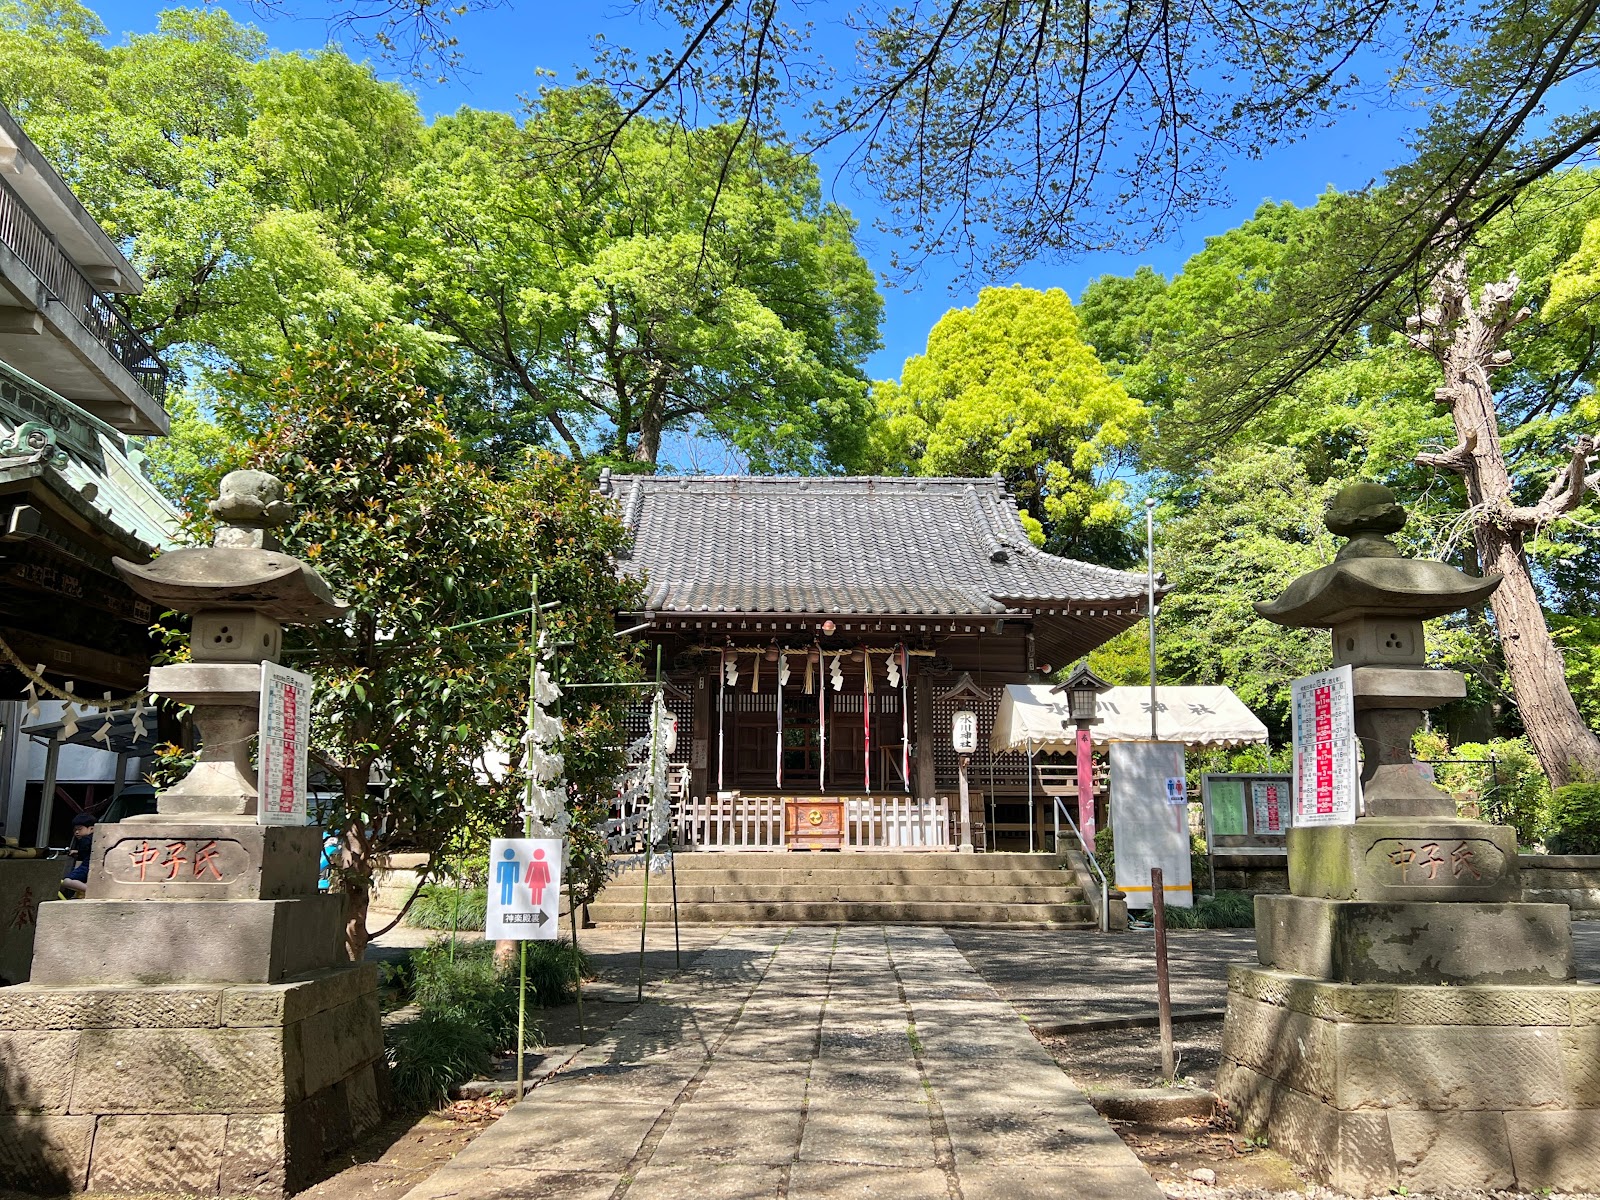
(820, 634)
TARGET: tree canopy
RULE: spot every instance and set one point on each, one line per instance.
(592, 302)
(1009, 387)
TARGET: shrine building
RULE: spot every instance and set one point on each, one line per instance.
(819, 635)
(77, 384)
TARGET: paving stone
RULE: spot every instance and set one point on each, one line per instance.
(838, 1181)
(887, 1133)
(734, 1181)
(158, 1153)
(832, 1081)
(549, 1136)
(509, 1183)
(717, 1133)
(1032, 1136)
(736, 1081)
(1126, 1182)
(655, 1083)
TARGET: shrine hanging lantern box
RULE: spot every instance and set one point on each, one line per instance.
(1342, 1047)
(964, 731)
(204, 977)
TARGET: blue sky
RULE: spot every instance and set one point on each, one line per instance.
(504, 46)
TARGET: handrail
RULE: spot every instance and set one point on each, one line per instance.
(26, 236)
(1088, 858)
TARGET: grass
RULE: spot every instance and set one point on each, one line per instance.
(436, 905)
(1227, 910)
(469, 1011)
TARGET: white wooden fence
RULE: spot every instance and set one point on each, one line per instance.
(731, 821)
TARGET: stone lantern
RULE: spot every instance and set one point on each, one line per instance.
(1412, 1023)
(194, 1024)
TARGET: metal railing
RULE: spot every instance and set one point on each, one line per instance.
(26, 237)
(1089, 861)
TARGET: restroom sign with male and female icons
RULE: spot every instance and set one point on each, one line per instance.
(524, 889)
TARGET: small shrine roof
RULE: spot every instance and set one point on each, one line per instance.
(857, 545)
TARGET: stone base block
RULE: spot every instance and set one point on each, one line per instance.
(88, 942)
(172, 860)
(1405, 858)
(25, 883)
(1379, 1087)
(213, 1091)
(1354, 941)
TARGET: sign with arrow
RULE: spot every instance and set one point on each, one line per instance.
(524, 889)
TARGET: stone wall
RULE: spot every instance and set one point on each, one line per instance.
(1570, 879)
(1377, 1087)
(232, 1090)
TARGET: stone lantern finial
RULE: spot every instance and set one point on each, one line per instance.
(248, 505)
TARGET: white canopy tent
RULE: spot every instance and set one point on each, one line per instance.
(1034, 719)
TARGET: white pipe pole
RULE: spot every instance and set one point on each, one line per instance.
(1150, 580)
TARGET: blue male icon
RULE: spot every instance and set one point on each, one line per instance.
(506, 875)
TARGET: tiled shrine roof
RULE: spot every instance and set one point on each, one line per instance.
(872, 545)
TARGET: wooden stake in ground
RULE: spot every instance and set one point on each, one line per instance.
(1158, 912)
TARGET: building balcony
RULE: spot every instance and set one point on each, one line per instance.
(57, 326)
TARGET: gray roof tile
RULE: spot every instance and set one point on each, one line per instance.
(872, 545)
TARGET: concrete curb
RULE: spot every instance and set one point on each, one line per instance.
(1140, 1021)
(1153, 1106)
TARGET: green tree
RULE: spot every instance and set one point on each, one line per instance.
(1374, 410)
(418, 539)
(1009, 387)
(607, 300)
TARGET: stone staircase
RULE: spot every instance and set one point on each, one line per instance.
(819, 888)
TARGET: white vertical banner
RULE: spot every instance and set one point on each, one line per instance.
(524, 890)
(285, 737)
(1327, 777)
(1150, 821)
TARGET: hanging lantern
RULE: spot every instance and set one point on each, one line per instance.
(964, 731)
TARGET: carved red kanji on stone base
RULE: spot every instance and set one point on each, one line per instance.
(143, 855)
(175, 858)
(205, 860)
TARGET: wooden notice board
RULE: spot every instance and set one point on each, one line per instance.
(815, 824)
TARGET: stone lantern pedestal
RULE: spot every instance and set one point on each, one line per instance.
(193, 1025)
(1411, 1023)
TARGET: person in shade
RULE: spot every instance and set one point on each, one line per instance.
(77, 878)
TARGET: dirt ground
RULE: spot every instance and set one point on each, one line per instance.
(1180, 1153)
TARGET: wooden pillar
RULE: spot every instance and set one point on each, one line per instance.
(922, 729)
(701, 780)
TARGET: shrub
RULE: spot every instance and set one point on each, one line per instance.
(550, 972)
(1575, 819)
(1225, 910)
(469, 986)
(1506, 777)
(436, 907)
(431, 1055)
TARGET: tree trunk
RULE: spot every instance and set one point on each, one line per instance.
(1465, 338)
(356, 872)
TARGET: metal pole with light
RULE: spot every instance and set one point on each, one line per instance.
(1150, 581)
(1083, 688)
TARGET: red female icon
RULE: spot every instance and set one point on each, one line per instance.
(538, 876)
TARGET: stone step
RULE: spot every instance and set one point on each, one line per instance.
(872, 859)
(864, 876)
(1075, 916)
(630, 892)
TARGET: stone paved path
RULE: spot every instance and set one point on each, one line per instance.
(807, 1063)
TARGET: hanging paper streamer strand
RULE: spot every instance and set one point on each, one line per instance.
(905, 718)
(722, 712)
(822, 737)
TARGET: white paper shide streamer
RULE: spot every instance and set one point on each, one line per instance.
(547, 785)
